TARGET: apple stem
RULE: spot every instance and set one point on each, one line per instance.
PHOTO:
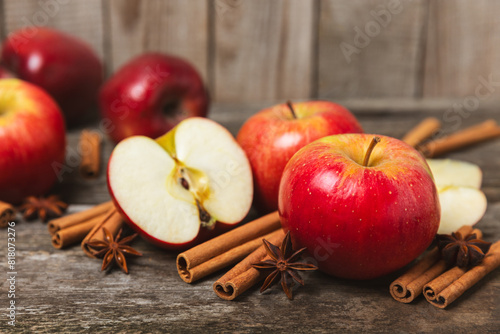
(374, 142)
(289, 104)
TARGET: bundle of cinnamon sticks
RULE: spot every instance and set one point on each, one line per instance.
(84, 226)
(439, 284)
(243, 243)
(428, 127)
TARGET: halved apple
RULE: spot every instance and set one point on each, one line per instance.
(177, 189)
(458, 184)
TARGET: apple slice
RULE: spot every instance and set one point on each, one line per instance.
(448, 172)
(460, 206)
(462, 201)
(175, 189)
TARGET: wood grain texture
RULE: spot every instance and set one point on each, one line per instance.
(2, 21)
(80, 18)
(177, 27)
(264, 50)
(62, 291)
(370, 48)
(463, 46)
(65, 291)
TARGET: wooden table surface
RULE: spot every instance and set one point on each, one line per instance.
(65, 291)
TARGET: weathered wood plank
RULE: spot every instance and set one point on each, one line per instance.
(463, 48)
(2, 21)
(370, 48)
(79, 18)
(264, 50)
(64, 291)
(172, 26)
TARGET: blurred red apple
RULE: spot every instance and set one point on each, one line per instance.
(272, 136)
(64, 66)
(32, 140)
(360, 216)
(150, 95)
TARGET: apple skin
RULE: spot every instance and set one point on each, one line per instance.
(64, 66)
(272, 136)
(359, 222)
(150, 95)
(32, 139)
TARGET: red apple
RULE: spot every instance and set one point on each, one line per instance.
(64, 66)
(360, 216)
(32, 140)
(150, 95)
(185, 186)
(272, 136)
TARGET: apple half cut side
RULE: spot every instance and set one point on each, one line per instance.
(183, 187)
(460, 206)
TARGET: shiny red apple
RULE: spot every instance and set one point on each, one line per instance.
(272, 136)
(360, 216)
(64, 66)
(150, 95)
(32, 140)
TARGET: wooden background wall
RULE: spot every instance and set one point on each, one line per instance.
(267, 50)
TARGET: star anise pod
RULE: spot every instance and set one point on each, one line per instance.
(113, 249)
(461, 251)
(283, 261)
(42, 207)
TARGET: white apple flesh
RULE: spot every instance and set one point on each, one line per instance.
(458, 184)
(449, 172)
(460, 206)
(186, 181)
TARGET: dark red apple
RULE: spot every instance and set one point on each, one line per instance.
(150, 95)
(272, 136)
(32, 140)
(360, 216)
(64, 66)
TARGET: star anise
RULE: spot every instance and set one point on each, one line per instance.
(283, 262)
(113, 249)
(461, 251)
(42, 207)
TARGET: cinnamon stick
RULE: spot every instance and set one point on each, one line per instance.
(225, 249)
(7, 214)
(243, 276)
(78, 218)
(441, 294)
(472, 135)
(422, 131)
(75, 233)
(409, 286)
(90, 148)
(112, 221)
